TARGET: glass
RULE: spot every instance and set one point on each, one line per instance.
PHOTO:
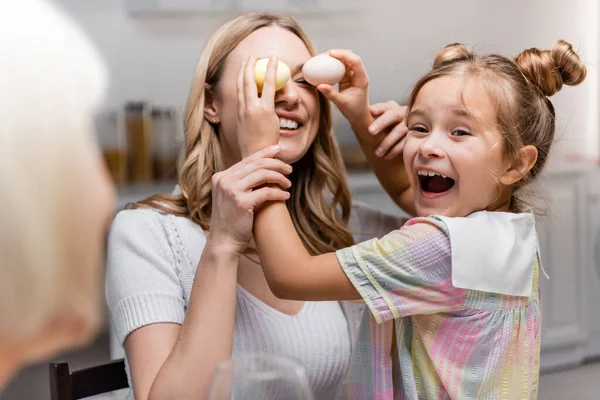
(260, 377)
(344, 392)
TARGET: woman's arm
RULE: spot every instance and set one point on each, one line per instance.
(172, 361)
(389, 129)
(391, 173)
(385, 132)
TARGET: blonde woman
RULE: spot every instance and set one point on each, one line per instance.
(56, 198)
(184, 285)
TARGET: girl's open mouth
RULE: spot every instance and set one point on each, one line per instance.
(434, 183)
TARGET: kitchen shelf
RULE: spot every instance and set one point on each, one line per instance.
(187, 7)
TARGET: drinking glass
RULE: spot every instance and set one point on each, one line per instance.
(260, 377)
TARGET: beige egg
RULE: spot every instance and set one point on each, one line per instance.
(323, 68)
(260, 72)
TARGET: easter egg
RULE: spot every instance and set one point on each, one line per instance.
(260, 73)
(323, 68)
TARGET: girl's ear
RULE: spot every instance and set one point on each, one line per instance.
(211, 109)
(521, 167)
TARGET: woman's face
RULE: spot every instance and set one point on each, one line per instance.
(296, 104)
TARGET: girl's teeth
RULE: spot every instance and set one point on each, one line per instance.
(430, 173)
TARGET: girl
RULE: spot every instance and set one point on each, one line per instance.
(453, 294)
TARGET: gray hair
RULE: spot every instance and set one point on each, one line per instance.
(52, 80)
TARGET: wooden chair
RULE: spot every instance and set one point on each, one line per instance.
(73, 385)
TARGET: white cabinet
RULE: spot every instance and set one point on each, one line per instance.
(591, 272)
(563, 257)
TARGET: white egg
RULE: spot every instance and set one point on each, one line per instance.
(323, 68)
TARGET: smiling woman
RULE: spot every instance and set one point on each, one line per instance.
(213, 138)
(185, 286)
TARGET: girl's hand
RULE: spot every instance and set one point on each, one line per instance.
(258, 125)
(352, 99)
(238, 191)
(389, 115)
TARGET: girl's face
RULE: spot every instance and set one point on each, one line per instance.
(296, 104)
(454, 153)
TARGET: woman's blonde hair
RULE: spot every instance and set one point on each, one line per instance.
(520, 89)
(320, 198)
(52, 79)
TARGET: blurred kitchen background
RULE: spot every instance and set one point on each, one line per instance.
(152, 46)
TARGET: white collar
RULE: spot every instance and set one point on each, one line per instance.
(493, 252)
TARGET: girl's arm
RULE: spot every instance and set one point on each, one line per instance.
(291, 272)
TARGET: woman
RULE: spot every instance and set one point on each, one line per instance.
(56, 199)
(184, 285)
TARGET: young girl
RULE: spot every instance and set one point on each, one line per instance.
(453, 294)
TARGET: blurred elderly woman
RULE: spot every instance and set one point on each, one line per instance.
(56, 197)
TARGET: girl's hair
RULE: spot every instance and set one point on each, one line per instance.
(47, 155)
(520, 89)
(320, 199)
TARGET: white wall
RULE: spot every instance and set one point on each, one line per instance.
(153, 57)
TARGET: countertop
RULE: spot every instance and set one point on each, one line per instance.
(360, 182)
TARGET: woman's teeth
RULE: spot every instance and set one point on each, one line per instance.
(288, 124)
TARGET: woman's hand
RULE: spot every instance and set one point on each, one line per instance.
(389, 115)
(258, 125)
(237, 192)
(352, 99)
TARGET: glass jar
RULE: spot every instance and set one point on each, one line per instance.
(138, 123)
(112, 140)
(165, 143)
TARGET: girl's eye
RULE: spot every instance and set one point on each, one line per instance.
(460, 132)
